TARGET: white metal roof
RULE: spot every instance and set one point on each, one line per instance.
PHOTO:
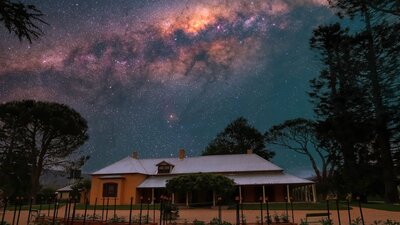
(239, 179)
(155, 182)
(201, 164)
(270, 178)
(125, 165)
(65, 189)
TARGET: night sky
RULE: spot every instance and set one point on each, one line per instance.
(156, 76)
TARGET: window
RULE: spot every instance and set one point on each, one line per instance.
(164, 167)
(110, 190)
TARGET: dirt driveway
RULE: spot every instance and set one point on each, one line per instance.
(370, 215)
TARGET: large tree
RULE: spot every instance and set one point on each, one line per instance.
(300, 135)
(43, 134)
(22, 20)
(237, 138)
(342, 106)
(376, 55)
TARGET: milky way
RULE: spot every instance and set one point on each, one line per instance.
(159, 75)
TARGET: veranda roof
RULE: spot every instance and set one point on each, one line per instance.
(273, 178)
(239, 179)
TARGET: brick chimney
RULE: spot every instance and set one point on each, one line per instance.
(182, 154)
(135, 155)
(249, 151)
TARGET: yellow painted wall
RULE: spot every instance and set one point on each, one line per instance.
(126, 189)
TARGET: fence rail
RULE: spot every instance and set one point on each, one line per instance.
(52, 211)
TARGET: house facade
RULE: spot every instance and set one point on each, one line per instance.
(145, 180)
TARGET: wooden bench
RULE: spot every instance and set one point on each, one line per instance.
(311, 215)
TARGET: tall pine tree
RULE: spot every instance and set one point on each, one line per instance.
(378, 77)
(341, 105)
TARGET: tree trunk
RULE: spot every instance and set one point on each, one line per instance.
(383, 134)
(34, 183)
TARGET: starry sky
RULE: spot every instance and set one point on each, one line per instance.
(156, 76)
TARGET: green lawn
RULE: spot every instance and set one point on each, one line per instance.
(34, 207)
(118, 207)
(256, 206)
(296, 206)
(380, 206)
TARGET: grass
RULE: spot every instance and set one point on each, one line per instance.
(296, 206)
(380, 206)
(34, 207)
(82, 207)
(250, 206)
(118, 207)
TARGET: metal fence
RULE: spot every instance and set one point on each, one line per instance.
(52, 211)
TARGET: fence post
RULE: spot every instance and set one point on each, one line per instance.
(327, 207)
(130, 211)
(73, 212)
(286, 207)
(268, 216)
(55, 209)
(102, 211)
(291, 207)
(108, 202)
(84, 215)
(40, 205)
(19, 209)
(148, 209)
(261, 210)
(237, 210)
(94, 209)
(4, 210)
(140, 214)
(161, 208)
(361, 213)
(69, 208)
(241, 209)
(348, 198)
(30, 210)
(338, 211)
(15, 209)
(115, 208)
(48, 207)
(154, 210)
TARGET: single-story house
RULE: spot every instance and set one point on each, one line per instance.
(145, 179)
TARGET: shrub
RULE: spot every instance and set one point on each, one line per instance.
(268, 219)
(215, 221)
(225, 223)
(116, 219)
(285, 218)
(303, 222)
(377, 222)
(198, 222)
(326, 221)
(244, 221)
(258, 221)
(391, 222)
(356, 221)
(277, 218)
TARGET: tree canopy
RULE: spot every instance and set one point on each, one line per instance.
(22, 20)
(39, 135)
(201, 182)
(237, 138)
(300, 136)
